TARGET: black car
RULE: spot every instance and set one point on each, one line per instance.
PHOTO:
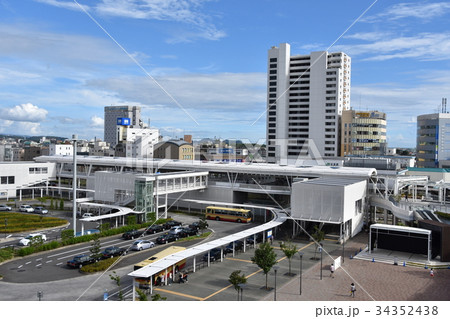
(112, 252)
(80, 260)
(187, 231)
(259, 238)
(196, 225)
(170, 224)
(214, 254)
(238, 245)
(132, 234)
(166, 238)
(153, 229)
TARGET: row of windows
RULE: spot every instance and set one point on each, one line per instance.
(38, 170)
(7, 179)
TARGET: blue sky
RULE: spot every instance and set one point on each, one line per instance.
(59, 67)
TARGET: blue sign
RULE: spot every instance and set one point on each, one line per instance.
(226, 151)
(123, 121)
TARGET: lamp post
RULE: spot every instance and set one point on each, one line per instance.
(320, 249)
(74, 184)
(301, 270)
(242, 286)
(343, 242)
(275, 268)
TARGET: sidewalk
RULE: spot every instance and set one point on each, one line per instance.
(374, 281)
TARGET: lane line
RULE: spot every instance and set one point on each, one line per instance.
(178, 294)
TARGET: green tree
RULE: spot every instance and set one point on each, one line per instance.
(236, 278)
(96, 247)
(158, 297)
(318, 236)
(289, 249)
(131, 220)
(116, 278)
(202, 224)
(61, 204)
(141, 294)
(67, 234)
(265, 258)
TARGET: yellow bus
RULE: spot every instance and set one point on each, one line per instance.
(145, 282)
(238, 215)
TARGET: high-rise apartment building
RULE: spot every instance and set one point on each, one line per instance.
(113, 113)
(433, 140)
(363, 133)
(306, 95)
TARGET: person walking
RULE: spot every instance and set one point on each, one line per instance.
(170, 278)
(431, 272)
(352, 290)
(332, 271)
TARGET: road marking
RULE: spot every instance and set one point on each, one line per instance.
(38, 259)
(258, 271)
(38, 265)
(20, 267)
(28, 263)
(48, 261)
(59, 264)
(236, 259)
(178, 294)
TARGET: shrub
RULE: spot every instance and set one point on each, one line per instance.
(101, 265)
(6, 253)
(25, 251)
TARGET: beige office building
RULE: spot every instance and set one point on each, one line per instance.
(363, 133)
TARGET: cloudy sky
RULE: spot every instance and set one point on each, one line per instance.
(199, 66)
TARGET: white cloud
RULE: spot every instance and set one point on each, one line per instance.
(186, 12)
(421, 10)
(423, 46)
(24, 113)
(97, 121)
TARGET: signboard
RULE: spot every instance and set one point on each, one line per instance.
(269, 233)
(123, 121)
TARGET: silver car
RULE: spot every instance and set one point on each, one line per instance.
(4, 207)
(142, 244)
(40, 210)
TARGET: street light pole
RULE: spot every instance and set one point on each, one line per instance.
(74, 184)
(321, 249)
(275, 268)
(301, 270)
(241, 286)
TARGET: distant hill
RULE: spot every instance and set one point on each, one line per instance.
(31, 138)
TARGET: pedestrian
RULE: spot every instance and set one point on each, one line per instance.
(186, 277)
(170, 278)
(352, 290)
(332, 271)
(181, 278)
(431, 272)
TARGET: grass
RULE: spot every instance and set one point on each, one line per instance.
(17, 222)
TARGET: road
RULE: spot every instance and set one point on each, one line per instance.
(51, 265)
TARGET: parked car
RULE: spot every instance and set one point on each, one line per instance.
(187, 231)
(4, 207)
(132, 234)
(166, 238)
(214, 254)
(80, 260)
(26, 241)
(87, 215)
(259, 238)
(142, 244)
(113, 251)
(175, 230)
(170, 224)
(153, 229)
(238, 245)
(40, 210)
(26, 208)
(196, 225)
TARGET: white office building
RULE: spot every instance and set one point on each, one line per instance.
(61, 149)
(306, 95)
(113, 113)
(433, 142)
(140, 142)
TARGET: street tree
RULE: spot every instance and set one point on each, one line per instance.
(318, 236)
(265, 258)
(289, 249)
(96, 247)
(236, 278)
